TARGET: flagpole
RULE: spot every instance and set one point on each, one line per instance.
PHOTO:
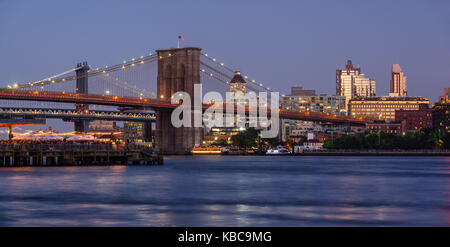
(178, 46)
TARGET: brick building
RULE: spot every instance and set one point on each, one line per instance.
(415, 119)
(441, 116)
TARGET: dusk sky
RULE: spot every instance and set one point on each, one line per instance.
(280, 43)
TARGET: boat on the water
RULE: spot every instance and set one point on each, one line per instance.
(278, 151)
(207, 150)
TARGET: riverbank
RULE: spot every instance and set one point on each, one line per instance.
(377, 153)
(351, 153)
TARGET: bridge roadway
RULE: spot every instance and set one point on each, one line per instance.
(71, 114)
(156, 104)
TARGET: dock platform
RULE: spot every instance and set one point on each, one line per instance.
(15, 155)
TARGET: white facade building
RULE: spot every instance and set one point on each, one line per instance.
(351, 83)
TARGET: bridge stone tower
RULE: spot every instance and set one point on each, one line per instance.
(82, 126)
(178, 70)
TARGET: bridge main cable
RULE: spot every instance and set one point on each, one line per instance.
(260, 85)
(107, 69)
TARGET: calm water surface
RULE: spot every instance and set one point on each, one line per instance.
(233, 191)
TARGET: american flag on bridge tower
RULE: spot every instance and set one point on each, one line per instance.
(180, 38)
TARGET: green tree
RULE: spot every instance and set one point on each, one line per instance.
(246, 139)
(423, 139)
(220, 142)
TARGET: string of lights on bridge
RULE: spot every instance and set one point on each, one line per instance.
(253, 81)
(125, 64)
(91, 72)
(131, 63)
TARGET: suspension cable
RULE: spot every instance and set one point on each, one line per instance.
(52, 80)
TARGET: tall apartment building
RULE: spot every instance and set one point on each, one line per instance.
(398, 82)
(351, 83)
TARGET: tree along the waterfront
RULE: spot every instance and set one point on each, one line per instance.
(246, 139)
(423, 139)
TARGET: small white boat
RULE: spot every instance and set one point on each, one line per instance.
(278, 151)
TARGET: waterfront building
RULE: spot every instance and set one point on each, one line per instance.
(441, 116)
(237, 85)
(350, 83)
(313, 145)
(103, 126)
(105, 130)
(322, 103)
(383, 108)
(446, 97)
(415, 119)
(398, 82)
(137, 132)
(221, 134)
(441, 112)
(306, 100)
(387, 127)
(305, 127)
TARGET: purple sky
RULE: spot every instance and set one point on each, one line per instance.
(280, 43)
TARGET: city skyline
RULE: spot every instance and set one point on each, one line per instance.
(306, 56)
(225, 114)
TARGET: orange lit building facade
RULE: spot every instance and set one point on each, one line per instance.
(384, 108)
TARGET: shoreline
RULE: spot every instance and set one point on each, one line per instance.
(340, 153)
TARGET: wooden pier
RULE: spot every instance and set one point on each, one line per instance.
(75, 155)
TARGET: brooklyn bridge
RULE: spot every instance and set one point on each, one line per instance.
(138, 89)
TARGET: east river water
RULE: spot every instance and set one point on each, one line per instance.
(233, 191)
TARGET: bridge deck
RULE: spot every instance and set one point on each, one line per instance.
(156, 104)
(72, 114)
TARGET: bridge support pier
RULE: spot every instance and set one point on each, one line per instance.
(82, 126)
(178, 70)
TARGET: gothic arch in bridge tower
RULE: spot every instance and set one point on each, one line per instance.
(178, 70)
